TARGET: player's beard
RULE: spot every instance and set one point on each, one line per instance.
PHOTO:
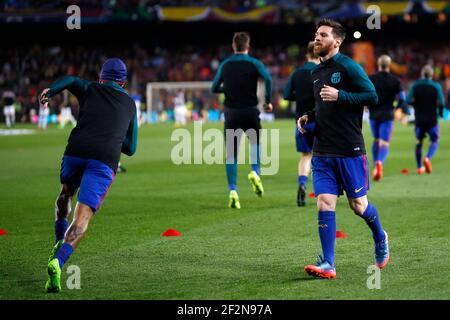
(322, 50)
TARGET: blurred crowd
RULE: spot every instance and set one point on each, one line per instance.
(231, 5)
(26, 71)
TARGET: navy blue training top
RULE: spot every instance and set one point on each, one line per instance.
(107, 123)
(237, 77)
(339, 123)
(299, 88)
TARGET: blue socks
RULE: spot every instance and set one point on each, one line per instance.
(373, 221)
(419, 155)
(231, 166)
(327, 234)
(382, 153)
(255, 157)
(375, 150)
(432, 149)
(302, 181)
(64, 253)
(256, 168)
(61, 226)
(379, 153)
(327, 230)
(231, 175)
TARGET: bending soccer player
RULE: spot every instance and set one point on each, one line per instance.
(107, 126)
(427, 98)
(237, 77)
(300, 89)
(339, 163)
(388, 88)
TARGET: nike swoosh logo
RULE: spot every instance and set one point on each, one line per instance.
(316, 80)
(358, 190)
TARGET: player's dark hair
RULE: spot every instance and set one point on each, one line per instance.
(337, 29)
(310, 51)
(241, 41)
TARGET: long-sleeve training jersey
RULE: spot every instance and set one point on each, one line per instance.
(107, 123)
(388, 89)
(427, 98)
(339, 123)
(299, 88)
(237, 77)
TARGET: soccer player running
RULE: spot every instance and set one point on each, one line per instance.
(341, 90)
(237, 77)
(299, 88)
(107, 126)
(389, 88)
(426, 96)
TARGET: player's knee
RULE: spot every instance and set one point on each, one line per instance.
(325, 204)
(383, 143)
(358, 207)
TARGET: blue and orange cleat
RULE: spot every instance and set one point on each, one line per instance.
(427, 164)
(382, 252)
(322, 269)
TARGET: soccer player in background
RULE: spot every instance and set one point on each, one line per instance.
(107, 126)
(341, 90)
(381, 116)
(44, 111)
(237, 77)
(8, 108)
(179, 109)
(426, 96)
(299, 88)
(65, 114)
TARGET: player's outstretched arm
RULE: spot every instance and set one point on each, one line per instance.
(129, 145)
(75, 85)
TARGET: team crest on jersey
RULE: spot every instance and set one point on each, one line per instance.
(336, 77)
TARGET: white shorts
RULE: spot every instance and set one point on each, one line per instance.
(9, 110)
(43, 112)
(180, 113)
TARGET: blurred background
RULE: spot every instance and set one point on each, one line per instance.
(185, 40)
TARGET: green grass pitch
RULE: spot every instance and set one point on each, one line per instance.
(257, 252)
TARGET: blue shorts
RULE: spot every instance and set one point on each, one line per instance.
(433, 132)
(337, 174)
(93, 177)
(304, 141)
(382, 129)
